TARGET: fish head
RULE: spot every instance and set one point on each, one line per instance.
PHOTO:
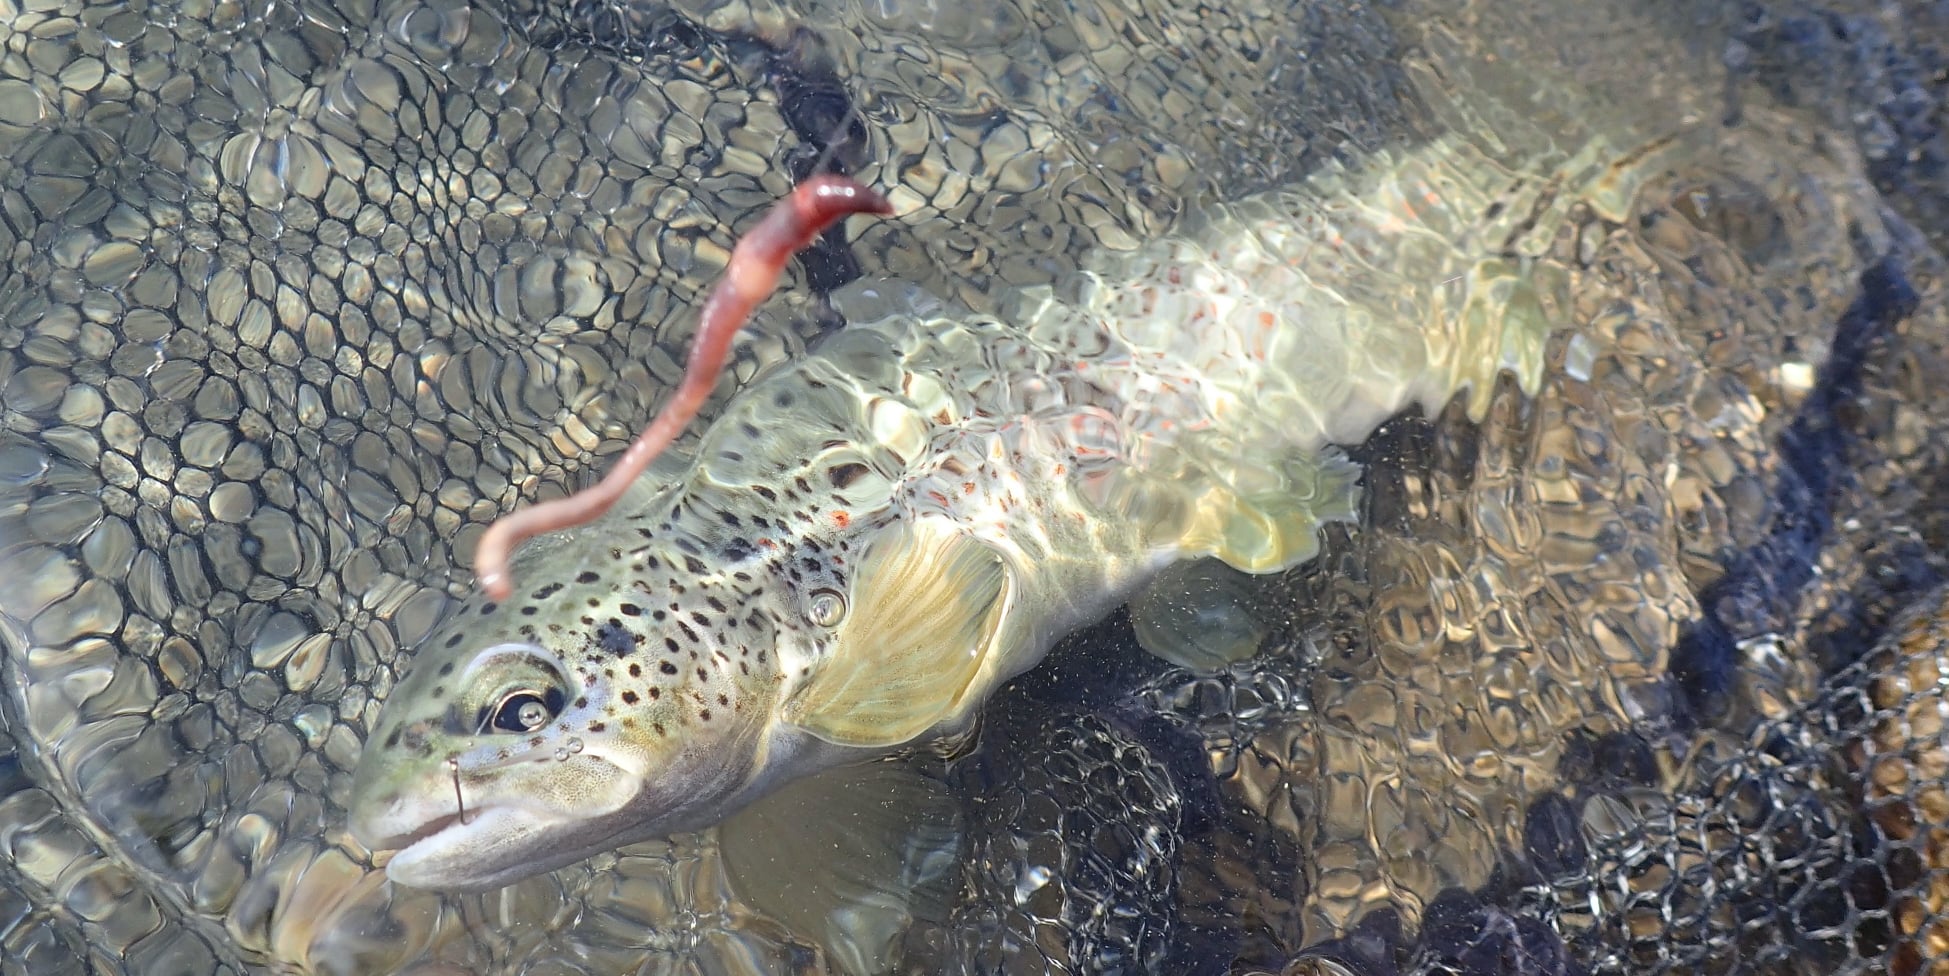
(623, 693)
(769, 614)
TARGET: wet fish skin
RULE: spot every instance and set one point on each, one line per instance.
(870, 540)
(680, 664)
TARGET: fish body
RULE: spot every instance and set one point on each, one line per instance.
(873, 538)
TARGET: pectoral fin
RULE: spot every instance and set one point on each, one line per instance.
(1199, 615)
(926, 605)
(850, 858)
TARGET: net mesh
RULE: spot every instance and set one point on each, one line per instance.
(1642, 674)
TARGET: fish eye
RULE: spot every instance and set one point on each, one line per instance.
(527, 710)
(826, 607)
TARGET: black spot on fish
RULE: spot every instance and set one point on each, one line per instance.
(670, 644)
(392, 741)
(487, 609)
(704, 714)
(597, 726)
(656, 693)
(530, 610)
(631, 610)
(693, 564)
(546, 592)
(615, 638)
(453, 642)
(439, 691)
(737, 550)
(635, 670)
(765, 493)
(703, 675)
(447, 668)
(667, 668)
(588, 576)
(582, 702)
(629, 698)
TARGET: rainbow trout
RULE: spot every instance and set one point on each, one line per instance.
(870, 540)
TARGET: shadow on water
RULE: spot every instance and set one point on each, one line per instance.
(1820, 455)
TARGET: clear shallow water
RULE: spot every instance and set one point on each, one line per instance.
(298, 298)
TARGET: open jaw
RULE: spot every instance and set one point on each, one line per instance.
(495, 841)
(492, 846)
(447, 833)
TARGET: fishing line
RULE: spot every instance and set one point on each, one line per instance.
(453, 763)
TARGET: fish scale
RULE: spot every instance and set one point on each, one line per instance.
(871, 539)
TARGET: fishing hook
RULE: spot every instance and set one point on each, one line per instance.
(453, 763)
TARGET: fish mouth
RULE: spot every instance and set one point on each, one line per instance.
(439, 829)
(400, 843)
(424, 843)
(445, 831)
(460, 853)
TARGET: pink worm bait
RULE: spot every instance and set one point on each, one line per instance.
(749, 279)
